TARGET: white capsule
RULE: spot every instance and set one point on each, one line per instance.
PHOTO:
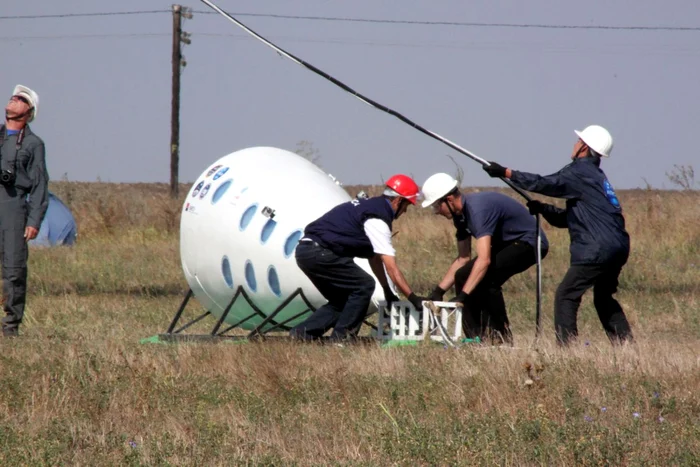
(240, 225)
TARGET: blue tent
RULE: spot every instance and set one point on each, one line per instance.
(58, 226)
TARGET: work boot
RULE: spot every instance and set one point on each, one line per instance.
(10, 332)
(301, 336)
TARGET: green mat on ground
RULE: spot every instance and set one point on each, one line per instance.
(469, 340)
(157, 339)
(152, 340)
(399, 343)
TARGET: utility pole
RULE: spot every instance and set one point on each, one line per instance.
(178, 62)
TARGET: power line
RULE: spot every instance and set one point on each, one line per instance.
(462, 23)
(83, 36)
(377, 21)
(81, 15)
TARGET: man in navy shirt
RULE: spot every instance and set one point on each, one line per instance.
(600, 244)
(360, 228)
(506, 244)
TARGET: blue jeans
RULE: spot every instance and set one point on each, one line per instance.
(346, 286)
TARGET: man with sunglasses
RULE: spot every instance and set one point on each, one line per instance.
(506, 244)
(600, 245)
(23, 200)
(360, 228)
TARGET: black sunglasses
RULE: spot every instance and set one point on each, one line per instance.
(21, 98)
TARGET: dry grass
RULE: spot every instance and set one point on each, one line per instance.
(78, 389)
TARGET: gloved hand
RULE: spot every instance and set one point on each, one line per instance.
(462, 298)
(495, 170)
(437, 294)
(535, 207)
(416, 301)
(389, 297)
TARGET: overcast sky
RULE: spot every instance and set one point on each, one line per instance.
(509, 94)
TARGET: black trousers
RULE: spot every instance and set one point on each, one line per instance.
(604, 280)
(346, 286)
(485, 315)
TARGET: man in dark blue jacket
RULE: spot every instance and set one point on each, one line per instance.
(360, 228)
(600, 244)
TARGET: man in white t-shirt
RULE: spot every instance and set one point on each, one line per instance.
(359, 228)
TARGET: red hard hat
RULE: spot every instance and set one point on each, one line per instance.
(404, 186)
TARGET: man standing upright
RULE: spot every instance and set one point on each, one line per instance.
(360, 228)
(22, 174)
(600, 244)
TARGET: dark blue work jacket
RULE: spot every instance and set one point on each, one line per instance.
(593, 213)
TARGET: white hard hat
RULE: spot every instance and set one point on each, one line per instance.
(31, 96)
(597, 138)
(436, 187)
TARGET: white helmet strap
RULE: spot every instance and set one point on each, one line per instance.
(20, 116)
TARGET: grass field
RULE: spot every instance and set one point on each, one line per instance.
(77, 388)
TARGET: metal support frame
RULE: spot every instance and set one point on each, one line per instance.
(180, 309)
(175, 334)
(282, 305)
